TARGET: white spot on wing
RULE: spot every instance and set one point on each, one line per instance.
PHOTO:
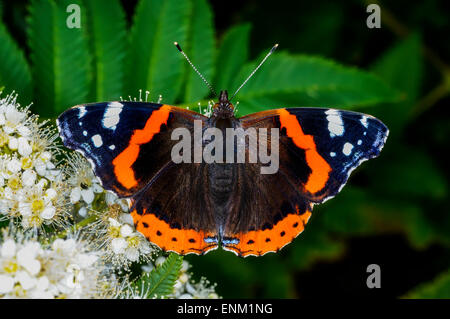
(347, 149)
(364, 121)
(82, 112)
(97, 140)
(85, 133)
(359, 142)
(332, 154)
(335, 123)
(112, 147)
(112, 115)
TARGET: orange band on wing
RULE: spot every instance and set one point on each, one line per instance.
(181, 241)
(319, 167)
(123, 162)
(260, 242)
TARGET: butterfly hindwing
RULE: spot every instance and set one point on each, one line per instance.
(181, 218)
(267, 212)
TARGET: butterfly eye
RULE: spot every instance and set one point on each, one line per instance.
(84, 186)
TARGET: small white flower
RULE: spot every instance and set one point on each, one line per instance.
(13, 143)
(148, 268)
(83, 180)
(178, 285)
(42, 283)
(14, 165)
(132, 254)
(184, 266)
(26, 257)
(126, 219)
(87, 195)
(24, 147)
(45, 156)
(85, 260)
(183, 278)
(48, 213)
(82, 211)
(118, 245)
(26, 281)
(113, 222)
(97, 188)
(29, 177)
(126, 231)
(40, 167)
(6, 284)
(36, 207)
(159, 261)
(62, 246)
(110, 198)
(13, 119)
(75, 195)
(51, 193)
(42, 184)
(8, 249)
(24, 131)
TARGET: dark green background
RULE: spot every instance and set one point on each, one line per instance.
(394, 211)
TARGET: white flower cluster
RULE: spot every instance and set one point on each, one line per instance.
(120, 240)
(35, 190)
(66, 269)
(114, 231)
(29, 179)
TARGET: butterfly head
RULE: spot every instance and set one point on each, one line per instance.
(223, 109)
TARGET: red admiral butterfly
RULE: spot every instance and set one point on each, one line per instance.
(195, 207)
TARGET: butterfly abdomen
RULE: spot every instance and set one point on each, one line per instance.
(221, 182)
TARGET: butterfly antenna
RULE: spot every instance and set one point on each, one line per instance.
(256, 69)
(195, 69)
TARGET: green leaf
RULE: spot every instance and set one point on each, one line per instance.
(357, 212)
(200, 48)
(401, 67)
(60, 57)
(313, 245)
(299, 80)
(405, 55)
(159, 282)
(408, 178)
(439, 288)
(107, 30)
(320, 29)
(14, 71)
(154, 63)
(233, 53)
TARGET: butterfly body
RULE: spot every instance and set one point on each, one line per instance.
(195, 207)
